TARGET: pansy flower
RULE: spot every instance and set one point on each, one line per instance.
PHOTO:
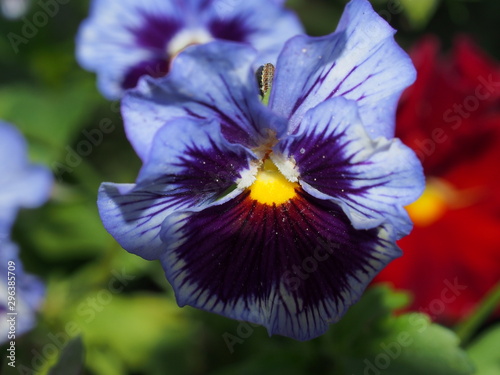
(278, 215)
(124, 40)
(22, 185)
(451, 118)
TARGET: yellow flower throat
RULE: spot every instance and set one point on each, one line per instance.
(271, 186)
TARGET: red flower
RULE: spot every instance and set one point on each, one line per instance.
(451, 118)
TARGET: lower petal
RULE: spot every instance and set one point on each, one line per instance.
(294, 268)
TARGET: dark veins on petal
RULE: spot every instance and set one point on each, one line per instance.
(317, 82)
(243, 249)
(327, 166)
(135, 204)
(205, 174)
(238, 128)
(316, 77)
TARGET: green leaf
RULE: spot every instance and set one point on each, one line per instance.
(64, 230)
(135, 332)
(377, 303)
(485, 353)
(370, 339)
(49, 118)
(72, 359)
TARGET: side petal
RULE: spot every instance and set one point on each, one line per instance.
(360, 61)
(191, 165)
(210, 81)
(193, 158)
(294, 268)
(134, 217)
(372, 180)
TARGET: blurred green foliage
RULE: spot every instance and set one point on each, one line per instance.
(484, 352)
(121, 305)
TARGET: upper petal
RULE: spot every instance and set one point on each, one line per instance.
(337, 160)
(360, 61)
(210, 81)
(294, 268)
(191, 166)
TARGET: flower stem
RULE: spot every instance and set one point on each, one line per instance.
(468, 327)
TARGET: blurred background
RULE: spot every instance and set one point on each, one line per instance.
(123, 307)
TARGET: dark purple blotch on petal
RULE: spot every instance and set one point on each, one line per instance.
(155, 68)
(234, 29)
(155, 32)
(154, 35)
(244, 251)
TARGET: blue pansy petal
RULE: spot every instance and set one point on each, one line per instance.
(29, 292)
(294, 268)
(336, 159)
(203, 84)
(22, 184)
(191, 165)
(360, 61)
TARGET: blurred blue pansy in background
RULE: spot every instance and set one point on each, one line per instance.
(22, 185)
(277, 215)
(29, 293)
(14, 9)
(124, 40)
